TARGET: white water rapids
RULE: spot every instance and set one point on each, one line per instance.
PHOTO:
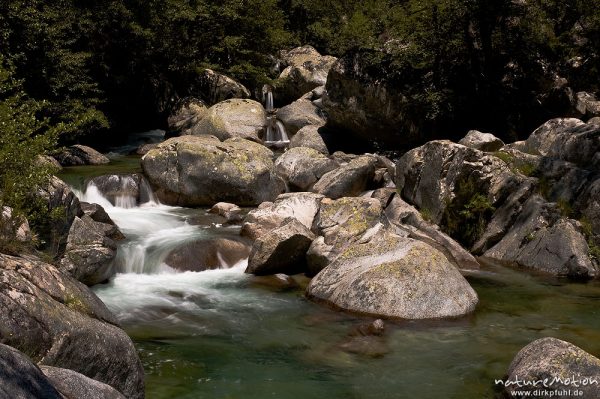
(148, 293)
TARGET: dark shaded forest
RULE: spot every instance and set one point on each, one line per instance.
(89, 71)
(120, 65)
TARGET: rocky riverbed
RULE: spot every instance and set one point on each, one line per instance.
(208, 264)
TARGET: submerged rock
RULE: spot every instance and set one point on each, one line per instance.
(233, 118)
(302, 167)
(201, 171)
(367, 340)
(281, 250)
(59, 322)
(80, 155)
(396, 277)
(208, 254)
(309, 136)
(554, 361)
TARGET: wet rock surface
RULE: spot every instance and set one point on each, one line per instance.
(59, 322)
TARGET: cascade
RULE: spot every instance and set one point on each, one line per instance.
(275, 133)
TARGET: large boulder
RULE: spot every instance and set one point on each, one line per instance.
(90, 250)
(269, 216)
(541, 239)
(281, 250)
(185, 116)
(445, 180)
(299, 114)
(201, 171)
(340, 223)
(208, 254)
(362, 102)
(587, 105)
(346, 219)
(64, 204)
(80, 155)
(407, 218)
(394, 276)
(309, 136)
(567, 139)
(233, 118)
(59, 322)
(302, 167)
(489, 204)
(305, 69)
(348, 180)
(48, 162)
(20, 378)
(214, 87)
(562, 365)
(482, 141)
(73, 385)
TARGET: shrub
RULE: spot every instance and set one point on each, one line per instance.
(24, 137)
(466, 216)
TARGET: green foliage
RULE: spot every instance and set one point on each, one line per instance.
(426, 214)
(527, 169)
(565, 208)
(24, 138)
(109, 63)
(506, 157)
(467, 214)
(544, 187)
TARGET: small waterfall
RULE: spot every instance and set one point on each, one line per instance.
(281, 131)
(147, 196)
(275, 133)
(269, 101)
(123, 191)
(153, 230)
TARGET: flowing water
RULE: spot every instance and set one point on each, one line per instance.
(224, 334)
(275, 134)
